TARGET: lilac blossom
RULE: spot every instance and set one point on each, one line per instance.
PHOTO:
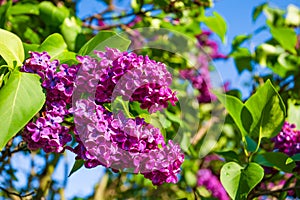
(288, 140)
(206, 178)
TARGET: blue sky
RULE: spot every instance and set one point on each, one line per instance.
(237, 14)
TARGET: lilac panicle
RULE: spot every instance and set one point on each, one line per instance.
(288, 140)
(57, 80)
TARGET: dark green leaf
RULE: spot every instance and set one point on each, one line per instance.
(77, 165)
(239, 181)
(20, 99)
(229, 155)
(242, 59)
(276, 159)
(257, 11)
(296, 157)
(238, 40)
(3, 13)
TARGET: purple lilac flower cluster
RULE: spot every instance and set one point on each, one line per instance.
(209, 46)
(47, 132)
(135, 78)
(113, 140)
(104, 138)
(206, 178)
(288, 140)
(199, 76)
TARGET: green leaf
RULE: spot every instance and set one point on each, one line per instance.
(70, 29)
(54, 45)
(26, 8)
(11, 48)
(104, 39)
(276, 159)
(77, 165)
(239, 181)
(4, 13)
(235, 108)
(217, 24)
(242, 59)
(257, 11)
(20, 99)
(289, 62)
(296, 157)
(52, 15)
(267, 110)
(287, 37)
(229, 155)
(293, 115)
(238, 40)
(190, 178)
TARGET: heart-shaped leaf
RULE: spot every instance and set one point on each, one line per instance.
(20, 99)
(239, 181)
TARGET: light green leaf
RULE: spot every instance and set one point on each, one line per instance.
(54, 45)
(267, 110)
(217, 24)
(239, 181)
(293, 115)
(293, 15)
(11, 48)
(104, 39)
(287, 37)
(26, 8)
(235, 108)
(70, 29)
(20, 99)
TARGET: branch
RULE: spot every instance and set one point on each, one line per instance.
(9, 193)
(274, 191)
(8, 153)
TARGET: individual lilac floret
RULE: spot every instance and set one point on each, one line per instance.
(288, 140)
(135, 78)
(206, 178)
(38, 63)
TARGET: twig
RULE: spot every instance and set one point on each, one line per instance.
(9, 193)
(271, 192)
